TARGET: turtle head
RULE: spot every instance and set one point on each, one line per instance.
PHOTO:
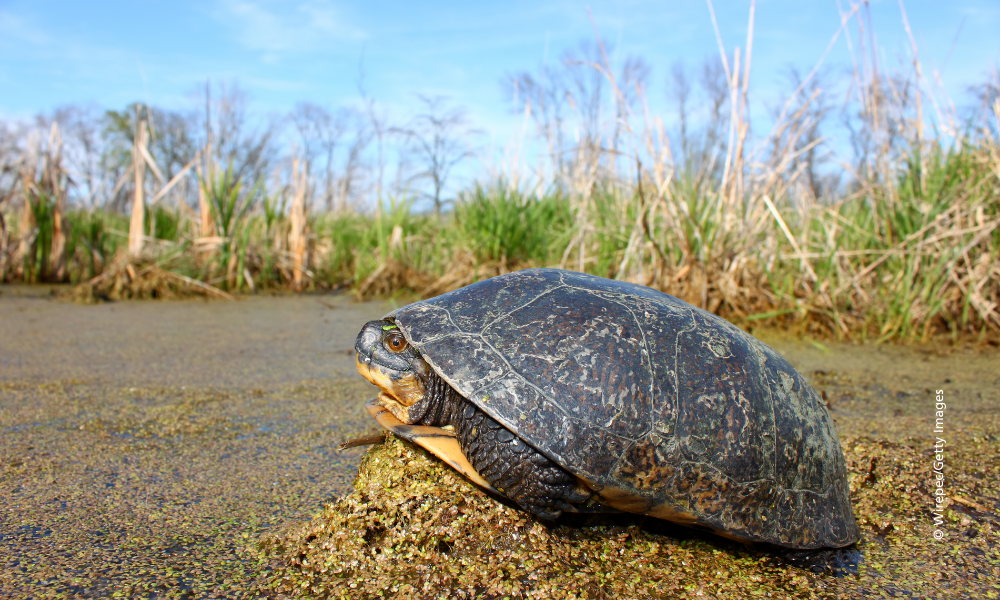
(386, 358)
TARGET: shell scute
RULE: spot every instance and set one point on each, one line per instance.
(471, 363)
(590, 359)
(727, 420)
(435, 322)
(472, 315)
(649, 463)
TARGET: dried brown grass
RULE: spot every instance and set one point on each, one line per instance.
(127, 277)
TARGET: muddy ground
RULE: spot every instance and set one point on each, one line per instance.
(188, 449)
(144, 445)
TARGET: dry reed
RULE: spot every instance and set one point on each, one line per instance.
(909, 250)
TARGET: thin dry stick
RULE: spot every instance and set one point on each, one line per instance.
(163, 191)
(3, 248)
(861, 82)
(520, 144)
(896, 249)
(791, 238)
(135, 238)
(729, 81)
(363, 441)
(744, 126)
(58, 269)
(28, 229)
(297, 221)
(844, 19)
(211, 289)
(641, 226)
(986, 311)
(121, 182)
(920, 110)
(996, 113)
(151, 163)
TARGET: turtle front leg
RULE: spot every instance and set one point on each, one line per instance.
(522, 473)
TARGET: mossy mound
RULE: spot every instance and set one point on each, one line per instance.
(414, 528)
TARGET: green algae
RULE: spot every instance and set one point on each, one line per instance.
(414, 528)
(157, 492)
(145, 446)
(182, 450)
(892, 486)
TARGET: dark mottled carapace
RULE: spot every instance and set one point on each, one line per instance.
(661, 407)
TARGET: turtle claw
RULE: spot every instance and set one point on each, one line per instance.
(544, 513)
(581, 493)
(835, 561)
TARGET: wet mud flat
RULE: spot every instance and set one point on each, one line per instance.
(145, 446)
(188, 449)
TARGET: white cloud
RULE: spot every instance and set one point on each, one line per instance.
(276, 28)
(17, 28)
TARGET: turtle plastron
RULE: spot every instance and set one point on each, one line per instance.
(442, 443)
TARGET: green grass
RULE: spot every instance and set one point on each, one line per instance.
(905, 260)
(230, 205)
(899, 260)
(36, 262)
(90, 241)
(499, 223)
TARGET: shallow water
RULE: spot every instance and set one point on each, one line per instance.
(146, 445)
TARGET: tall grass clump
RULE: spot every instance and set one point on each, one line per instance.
(94, 241)
(340, 237)
(399, 250)
(500, 224)
(918, 256)
(39, 254)
(230, 205)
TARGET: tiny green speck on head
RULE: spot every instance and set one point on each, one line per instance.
(388, 327)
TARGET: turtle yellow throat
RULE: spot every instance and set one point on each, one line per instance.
(414, 397)
(523, 474)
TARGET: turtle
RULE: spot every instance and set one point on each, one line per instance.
(566, 392)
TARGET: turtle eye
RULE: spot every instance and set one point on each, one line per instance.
(395, 342)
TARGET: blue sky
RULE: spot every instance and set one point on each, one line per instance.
(113, 53)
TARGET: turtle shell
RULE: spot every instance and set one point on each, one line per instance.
(661, 407)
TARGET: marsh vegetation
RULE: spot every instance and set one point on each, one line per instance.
(889, 229)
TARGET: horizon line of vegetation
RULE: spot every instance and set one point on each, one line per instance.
(902, 242)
